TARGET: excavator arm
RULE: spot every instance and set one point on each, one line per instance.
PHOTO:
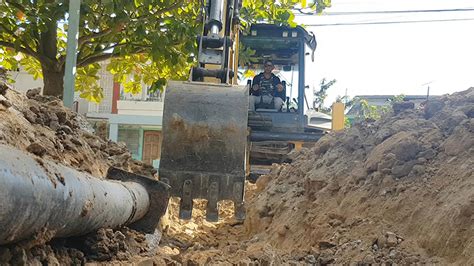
(205, 120)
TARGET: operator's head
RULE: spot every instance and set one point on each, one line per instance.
(268, 66)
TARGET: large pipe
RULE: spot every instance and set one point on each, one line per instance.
(37, 196)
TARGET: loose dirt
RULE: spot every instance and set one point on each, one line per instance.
(43, 127)
(398, 190)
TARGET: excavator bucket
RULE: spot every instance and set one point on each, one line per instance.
(204, 145)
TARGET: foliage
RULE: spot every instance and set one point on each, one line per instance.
(348, 102)
(347, 122)
(278, 12)
(321, 95)
(313, 6)
(396, 99)
(146, 41)
(157, 30)
(87, 82)
(246, 55)
(374, 112)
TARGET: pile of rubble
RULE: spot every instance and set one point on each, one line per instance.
(397, 190)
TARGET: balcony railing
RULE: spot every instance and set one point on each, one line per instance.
(156, 96)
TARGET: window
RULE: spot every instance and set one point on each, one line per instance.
(131, 137)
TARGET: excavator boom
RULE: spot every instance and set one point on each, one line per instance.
(205, 120)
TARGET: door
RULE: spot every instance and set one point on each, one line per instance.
(151, 146)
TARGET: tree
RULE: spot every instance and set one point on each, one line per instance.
(321, 95)
(151, 40)
(374, 112)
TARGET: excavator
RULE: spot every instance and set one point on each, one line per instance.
(211, 141)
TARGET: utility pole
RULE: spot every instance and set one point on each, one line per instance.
(71, 52)
(345, 97)
(428, 89)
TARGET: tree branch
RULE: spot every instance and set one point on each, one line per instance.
(8, 30)
(25, 50)
(82, 40)
(85, 39)
(98, 58)
(16, 5)
(102, 57)
(96, 53)
(26, 46)
(166, 9)
(48, 48)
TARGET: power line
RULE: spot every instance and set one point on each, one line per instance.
(388, 22)
(349, 13)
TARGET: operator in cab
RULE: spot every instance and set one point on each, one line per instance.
(266, 87)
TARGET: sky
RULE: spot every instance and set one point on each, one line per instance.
(393, 58)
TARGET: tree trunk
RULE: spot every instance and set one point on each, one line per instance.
(52, 74)
(53, 81)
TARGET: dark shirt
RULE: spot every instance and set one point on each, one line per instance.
(267, 86)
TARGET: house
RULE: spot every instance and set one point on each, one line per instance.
(135, 120)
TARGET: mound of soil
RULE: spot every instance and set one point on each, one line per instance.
(43, 127)
(398, 190)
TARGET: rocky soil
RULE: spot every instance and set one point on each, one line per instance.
(395, 191)
(43, 127)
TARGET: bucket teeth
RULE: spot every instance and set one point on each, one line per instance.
(212, 213)
(239, 211)
(185, 214)
(186, 203)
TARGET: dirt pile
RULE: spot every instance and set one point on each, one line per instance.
(43, 127)
(398, 190)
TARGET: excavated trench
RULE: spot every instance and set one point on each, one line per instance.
(397, 190)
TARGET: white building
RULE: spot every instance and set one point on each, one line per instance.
(133, 119)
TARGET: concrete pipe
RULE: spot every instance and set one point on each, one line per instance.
(41, 197)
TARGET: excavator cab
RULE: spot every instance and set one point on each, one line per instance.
(274, 133)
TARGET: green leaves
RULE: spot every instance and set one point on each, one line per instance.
(32, 66)
(8, 58)
(278, 12)
(135, 70)
(87, 83)
(321, 95)
(147, 41)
